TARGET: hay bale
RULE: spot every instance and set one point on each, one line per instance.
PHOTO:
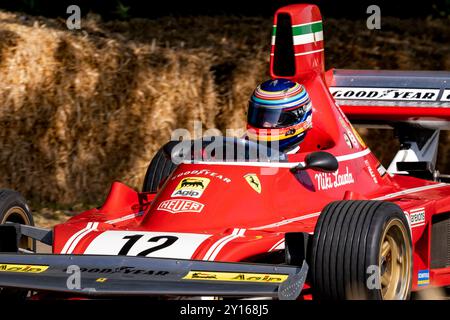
(81, 109)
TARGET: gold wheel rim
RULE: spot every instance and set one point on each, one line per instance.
(395, 262)
(18, 215)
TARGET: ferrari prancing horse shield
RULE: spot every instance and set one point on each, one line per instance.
(253, 181)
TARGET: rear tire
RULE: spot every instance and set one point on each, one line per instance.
(159, 169)
(361, 250)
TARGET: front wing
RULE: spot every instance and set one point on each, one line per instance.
(110, 276)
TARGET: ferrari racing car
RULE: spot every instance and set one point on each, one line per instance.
(327, 222)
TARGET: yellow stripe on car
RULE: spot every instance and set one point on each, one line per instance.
(233, 276)
(22, 268)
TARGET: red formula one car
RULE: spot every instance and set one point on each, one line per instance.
(329, 222)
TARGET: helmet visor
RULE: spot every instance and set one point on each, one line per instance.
(261, 116)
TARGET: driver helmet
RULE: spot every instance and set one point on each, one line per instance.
(279, 110)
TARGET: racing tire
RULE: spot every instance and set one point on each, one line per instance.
(13, 208)
(361, 250)
(159, 169)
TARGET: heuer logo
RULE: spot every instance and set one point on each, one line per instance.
(192, 187)
(177, 206)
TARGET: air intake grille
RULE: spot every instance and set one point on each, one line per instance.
(440, 241)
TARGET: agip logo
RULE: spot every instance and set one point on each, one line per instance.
(192, 187)
(22, 268)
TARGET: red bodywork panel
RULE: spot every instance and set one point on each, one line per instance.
(230, 220)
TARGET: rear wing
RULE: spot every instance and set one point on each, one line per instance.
(420, 98)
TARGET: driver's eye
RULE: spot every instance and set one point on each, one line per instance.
(287, 118)
(299, 112)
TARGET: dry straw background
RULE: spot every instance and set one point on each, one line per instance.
(79, 109)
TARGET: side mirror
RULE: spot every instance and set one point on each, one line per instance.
(319, 161)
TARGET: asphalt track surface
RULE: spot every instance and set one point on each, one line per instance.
(43, 248)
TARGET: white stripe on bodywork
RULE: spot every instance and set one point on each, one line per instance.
(80, 236)
(124, 218)
(214, 250)
(418, 225)
(412, 190)
(308, 38)
(74, 236)
(287, 221)
(278, 245)
(219, 248)
(308, 52)
(215, 244)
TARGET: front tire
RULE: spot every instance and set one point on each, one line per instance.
(361, 250)
(13, 208)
